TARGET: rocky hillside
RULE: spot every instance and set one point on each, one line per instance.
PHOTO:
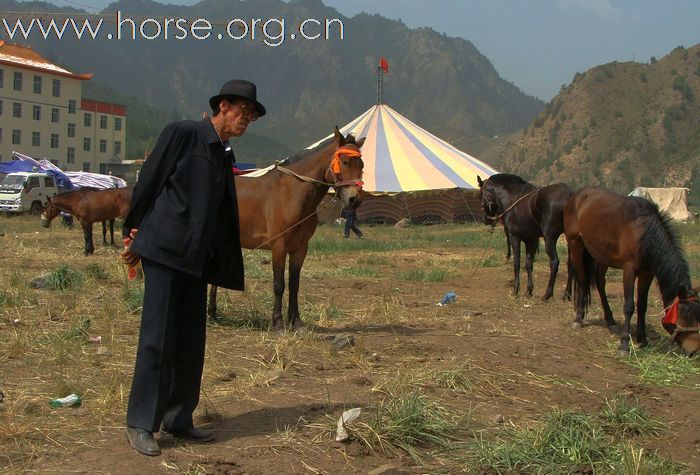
(618, 125)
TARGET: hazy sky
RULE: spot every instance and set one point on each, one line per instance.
(536, 44)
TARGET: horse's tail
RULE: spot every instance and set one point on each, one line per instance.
(588, 272)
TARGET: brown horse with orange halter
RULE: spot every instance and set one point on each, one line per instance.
(277, 211)
(89, 206)
(604, 229)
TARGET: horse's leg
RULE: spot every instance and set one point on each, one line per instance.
(87, 232)
(628, 278)
(569, 277)
(530, 249)
(279, 256)
(550, 247)
(643, 284)
(111, 231)
(515, 245)
(577, 268)
(296, 261)
(600, 282)
(211, 308)
(505, 230)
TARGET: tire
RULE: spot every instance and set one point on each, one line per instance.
(36, 209)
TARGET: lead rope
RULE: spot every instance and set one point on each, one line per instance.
(496, 218)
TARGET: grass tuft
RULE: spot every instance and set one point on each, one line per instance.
(65, 278)
(662, 365)
(566, 441)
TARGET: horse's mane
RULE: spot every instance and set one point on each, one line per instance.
(512, 183)
(661, 250)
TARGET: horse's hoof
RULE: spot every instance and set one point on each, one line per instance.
(546, 298)
(623, 353)
(300, 330)
(614, 329)
(642, 344)
(577, 325)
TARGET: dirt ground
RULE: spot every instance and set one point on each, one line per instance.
(265, 396)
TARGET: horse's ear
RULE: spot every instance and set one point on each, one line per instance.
(339, 139)
(360, 142)
(481, 182)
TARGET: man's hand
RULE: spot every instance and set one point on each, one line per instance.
(130, 258)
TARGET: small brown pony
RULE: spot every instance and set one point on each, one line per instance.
(89, 206)
(277, 211)
(527, 213)
(604, 230)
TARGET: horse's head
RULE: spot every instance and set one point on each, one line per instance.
(489, 200)
(346, 169)
(48, 213)
(682, 320)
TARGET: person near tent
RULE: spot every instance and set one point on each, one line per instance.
(350, 216)
(183, 227)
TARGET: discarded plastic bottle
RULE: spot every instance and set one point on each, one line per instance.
(70, 400)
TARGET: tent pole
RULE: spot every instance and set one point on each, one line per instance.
(380, 85)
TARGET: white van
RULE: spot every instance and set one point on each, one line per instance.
(22, 192)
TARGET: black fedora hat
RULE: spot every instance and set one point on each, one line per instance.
(237, 88)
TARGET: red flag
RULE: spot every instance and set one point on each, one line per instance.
(384, 64)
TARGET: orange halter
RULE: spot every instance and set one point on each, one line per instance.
(335, 163)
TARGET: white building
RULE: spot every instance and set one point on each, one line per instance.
(43, 115)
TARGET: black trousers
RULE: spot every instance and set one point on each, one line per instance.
(170, 355)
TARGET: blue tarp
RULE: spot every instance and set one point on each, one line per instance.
(62, 181)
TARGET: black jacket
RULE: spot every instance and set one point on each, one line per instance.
(184, 206)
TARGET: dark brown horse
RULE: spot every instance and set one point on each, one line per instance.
(527, 213)
(604, 230)
(277, 211)
(89, 206)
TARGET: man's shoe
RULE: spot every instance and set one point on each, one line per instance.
(142, 441)
(192, 434)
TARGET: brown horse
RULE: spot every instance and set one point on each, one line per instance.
(527, 213)
(277, 211)
(89, 206)
(604, 230)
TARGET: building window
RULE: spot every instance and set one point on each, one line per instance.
(17, 109)
(117, 123)
(86, 166)
(36, 139)
(18, 82)
(103, 168)
(16, 137)
(71, 106)
(2, 78)
(54, 140)
(103, 146)
(55, 114)
(37, 84)
(36, 112)
(0, 106)
(117, 148)
(87, 120)
(56, 88)
(103, 121)
(71, 130)
(70, 155)
(0, 135)
(86, 144)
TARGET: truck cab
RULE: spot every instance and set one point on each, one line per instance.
(22, 192)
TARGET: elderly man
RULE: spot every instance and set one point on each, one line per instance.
(183, 226)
